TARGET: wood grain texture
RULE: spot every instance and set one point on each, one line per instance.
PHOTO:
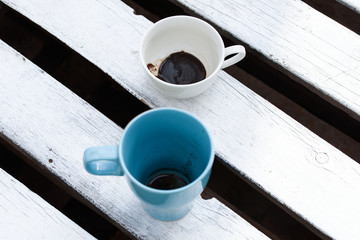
(24, 215)
(321, 54)
(47, 121)
(296, 167)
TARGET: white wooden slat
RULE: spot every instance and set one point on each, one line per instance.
(321, 53)
(48, 121)
(24, 215)
(352, 4)
(296, 167)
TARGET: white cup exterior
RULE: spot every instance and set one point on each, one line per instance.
(194, 36)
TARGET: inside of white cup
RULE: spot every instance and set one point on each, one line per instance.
(184, 34)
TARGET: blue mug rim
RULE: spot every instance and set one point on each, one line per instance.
(160, 191)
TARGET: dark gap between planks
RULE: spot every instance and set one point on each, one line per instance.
(338, 12)
(103, 93)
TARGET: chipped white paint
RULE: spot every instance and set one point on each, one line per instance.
(322, 54)
(24, 215)
(255, 138)
(48, 121)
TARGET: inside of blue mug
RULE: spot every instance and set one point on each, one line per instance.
(167, 139)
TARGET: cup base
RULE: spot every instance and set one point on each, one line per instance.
(168, 214)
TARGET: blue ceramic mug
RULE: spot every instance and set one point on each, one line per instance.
(166, 154)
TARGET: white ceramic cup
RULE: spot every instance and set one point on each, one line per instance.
(194, 36)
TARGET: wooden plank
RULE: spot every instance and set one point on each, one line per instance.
(345, 12)
(319, 53)
(24, 215)
(297, 168)
(47, 121)
(352, 4)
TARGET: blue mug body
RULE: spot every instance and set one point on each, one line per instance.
(159, 141)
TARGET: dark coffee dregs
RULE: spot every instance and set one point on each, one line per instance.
(181, 68)
(167, 179)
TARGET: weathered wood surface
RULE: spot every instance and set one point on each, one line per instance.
(352, 4)
(24, 215)
(296, 167)
(319, 53)
(47, 121)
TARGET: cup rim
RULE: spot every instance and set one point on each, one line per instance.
(171, 191)
(211, 28)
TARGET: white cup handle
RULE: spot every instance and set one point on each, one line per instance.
(236, 49)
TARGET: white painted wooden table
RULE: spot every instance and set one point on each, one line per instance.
(24, 215)
(299, 170)
(311, 48)
(47, 121)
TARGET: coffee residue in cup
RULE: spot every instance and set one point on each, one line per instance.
(167, 179)
(179, 68)
(153, 69)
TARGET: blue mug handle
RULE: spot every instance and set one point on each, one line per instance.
(103, 160)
